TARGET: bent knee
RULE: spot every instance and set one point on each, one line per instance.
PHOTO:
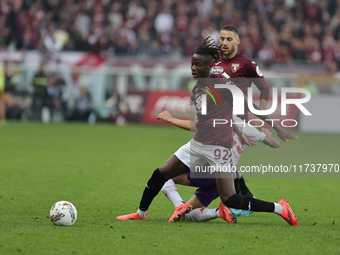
(182, 180)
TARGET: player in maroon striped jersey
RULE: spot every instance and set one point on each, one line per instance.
(207, 190)
(243, 72)
(210, 145)
(240, 69)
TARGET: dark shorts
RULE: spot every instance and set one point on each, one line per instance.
(207, 189)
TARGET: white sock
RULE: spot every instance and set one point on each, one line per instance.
(202, 214)
(278, 208)
(170, 191)
(141, 213)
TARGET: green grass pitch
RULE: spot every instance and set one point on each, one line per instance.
(103, 170)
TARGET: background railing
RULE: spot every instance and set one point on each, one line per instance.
(122, 86)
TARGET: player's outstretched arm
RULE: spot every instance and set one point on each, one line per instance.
(269, 140)
(185, 124)
(246, 139)
(283, 134)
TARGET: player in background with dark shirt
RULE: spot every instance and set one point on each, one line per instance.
(203, 147)
(40, 94)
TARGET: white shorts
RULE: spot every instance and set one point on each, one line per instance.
(195, 155)
(249, 130)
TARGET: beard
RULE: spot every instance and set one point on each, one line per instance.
(230, 52)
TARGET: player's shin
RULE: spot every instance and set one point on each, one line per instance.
(202, 214)
(170, 191)
(152, 188)
(237, 185)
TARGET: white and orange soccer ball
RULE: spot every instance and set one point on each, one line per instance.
(63, 213)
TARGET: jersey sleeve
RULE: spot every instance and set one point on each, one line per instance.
(255, 74)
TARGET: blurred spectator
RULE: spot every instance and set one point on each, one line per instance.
(127, 44)
(60, 35)
(298, 52)
(15, 103)
(267, 55)
(135, 12)
(29, 40)
(176, 47)
(55, 91)
(144, 41)
(71, 93)
(82, 22)
(282, 54)
(9, 83)
(294, 29)
(115, 16)
(337, 54)
(113, 104)
(314, 54)
(40, 96)
(164, 21)
(82, 107)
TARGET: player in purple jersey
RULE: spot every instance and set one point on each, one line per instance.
(212, 147)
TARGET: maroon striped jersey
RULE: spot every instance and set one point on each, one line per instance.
(206, 133)
(242, 71)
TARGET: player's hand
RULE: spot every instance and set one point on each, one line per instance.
(284, 135)
(165, 116)
(266, 131)
(246, 139)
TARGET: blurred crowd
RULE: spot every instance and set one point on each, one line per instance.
(51, 99)
(272, 31)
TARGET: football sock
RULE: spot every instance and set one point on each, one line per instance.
(244, 189)
(141, 213)
(237, 182)
(278, 208)
(170, 191)
(249, 203)
(202, 214)
(152, 188)
(237, 185)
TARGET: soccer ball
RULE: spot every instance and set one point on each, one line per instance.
(63, 213)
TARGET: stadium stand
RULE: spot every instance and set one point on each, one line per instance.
(272, 31)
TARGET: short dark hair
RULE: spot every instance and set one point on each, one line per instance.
(208, 47)
(231, 28)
